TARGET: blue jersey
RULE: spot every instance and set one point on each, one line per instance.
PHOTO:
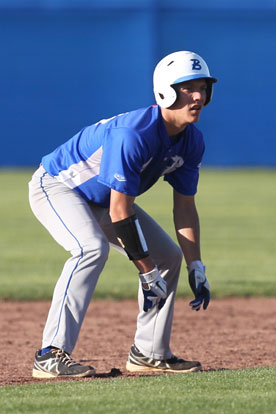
(127, 153)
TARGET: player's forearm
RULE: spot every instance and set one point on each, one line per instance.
(189, 246)
(128, 230)
(188, 234)
(120, 206)
(144, 265)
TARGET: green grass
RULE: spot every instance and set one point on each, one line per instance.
(238, 221)
(224, 392)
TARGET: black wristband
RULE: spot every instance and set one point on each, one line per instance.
(131, 238)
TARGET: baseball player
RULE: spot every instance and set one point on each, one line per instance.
(84, 193)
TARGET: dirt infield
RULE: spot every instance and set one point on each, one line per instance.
(231, 334)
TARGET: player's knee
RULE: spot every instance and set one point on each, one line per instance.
(172, 260)
(104, 249)
(177, 255)
(97, 249)
(101, 249)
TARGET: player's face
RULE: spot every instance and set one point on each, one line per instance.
(191, 99)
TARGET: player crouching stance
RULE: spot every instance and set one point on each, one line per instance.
(84, 194)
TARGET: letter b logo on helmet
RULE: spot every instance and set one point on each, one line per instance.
(196, 64)
(176, 68)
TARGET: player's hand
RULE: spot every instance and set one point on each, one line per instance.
(154, 289)
(199, 285)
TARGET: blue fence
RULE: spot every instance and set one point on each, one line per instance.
(68, 63)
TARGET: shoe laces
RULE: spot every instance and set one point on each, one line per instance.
(64, 357)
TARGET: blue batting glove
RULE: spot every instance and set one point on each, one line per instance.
(154, 289)
(199, 285)
(151, 300)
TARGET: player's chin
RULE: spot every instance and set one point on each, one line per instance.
(194, 116)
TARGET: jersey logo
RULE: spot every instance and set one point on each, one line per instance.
(175, 162)
(120, 177)
(196, 64)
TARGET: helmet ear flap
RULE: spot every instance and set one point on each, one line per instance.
(165, 97)
(209, 91)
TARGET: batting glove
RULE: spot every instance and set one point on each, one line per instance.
(154, 289)
(199, 285)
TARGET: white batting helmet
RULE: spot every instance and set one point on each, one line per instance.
(176, 68)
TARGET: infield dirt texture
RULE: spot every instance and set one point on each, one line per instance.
(231, 334)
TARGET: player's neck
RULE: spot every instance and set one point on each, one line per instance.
(173, 124)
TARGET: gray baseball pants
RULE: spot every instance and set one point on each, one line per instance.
(85, 230)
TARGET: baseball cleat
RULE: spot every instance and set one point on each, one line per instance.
(57, 363)
(137, 362)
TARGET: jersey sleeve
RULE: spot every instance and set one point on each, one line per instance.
(185, 179)
(123, 156)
